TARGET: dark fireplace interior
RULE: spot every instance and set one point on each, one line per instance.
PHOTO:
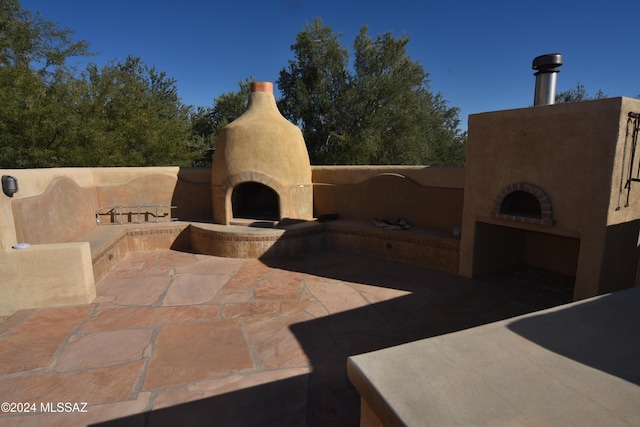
(521, 203)
(252, 200)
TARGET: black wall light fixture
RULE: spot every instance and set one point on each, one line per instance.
(9, 185)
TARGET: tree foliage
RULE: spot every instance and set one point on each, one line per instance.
(207, 122)
(377, 110)
(31, 41)
(578, 93)
(132, 116)
(122, 114)
(381, 111)
(37, 92)
(314, 91)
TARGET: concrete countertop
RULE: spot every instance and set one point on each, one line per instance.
(577, 364)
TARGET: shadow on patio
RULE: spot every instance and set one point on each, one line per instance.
(601, 333)
(430, 303)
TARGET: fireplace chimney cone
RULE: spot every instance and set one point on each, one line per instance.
(260, 169)
(546, 77)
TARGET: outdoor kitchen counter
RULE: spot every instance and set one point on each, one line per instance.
(575, 364)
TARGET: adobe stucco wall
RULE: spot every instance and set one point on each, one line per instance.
(52, 206)
(574, 153)
(426, 196)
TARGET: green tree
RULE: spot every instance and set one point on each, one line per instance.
(314, 91)
(207, 122)
(33, 42)
(37, 87)
(380, 112)
(202, 138)
(578, 93)
(123, 114)
(131, 115)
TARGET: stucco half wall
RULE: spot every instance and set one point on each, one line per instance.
(53, 207)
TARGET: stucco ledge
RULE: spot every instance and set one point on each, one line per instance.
(46, 275)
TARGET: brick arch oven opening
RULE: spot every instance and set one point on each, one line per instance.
(253, 200)
(523, 202)
(517, 242)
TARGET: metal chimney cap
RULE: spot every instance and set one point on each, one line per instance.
(547, 62)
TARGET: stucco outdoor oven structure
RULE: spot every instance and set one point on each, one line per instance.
(555, 186)
(261, 168)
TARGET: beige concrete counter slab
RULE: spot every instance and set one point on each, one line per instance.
(576, 364)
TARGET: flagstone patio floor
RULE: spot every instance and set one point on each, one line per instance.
(176, 338)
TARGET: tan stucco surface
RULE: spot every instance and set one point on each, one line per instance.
(389, 194)
(54, 206)
(46, 275)
(573, 152)
(261, 139)
(262, 146)
(572, 365)
(430, 176)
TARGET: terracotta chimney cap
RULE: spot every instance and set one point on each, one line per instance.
(262, 87)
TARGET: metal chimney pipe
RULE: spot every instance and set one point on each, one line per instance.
(546, 77)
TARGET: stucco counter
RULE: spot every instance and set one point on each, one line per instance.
(576, 364)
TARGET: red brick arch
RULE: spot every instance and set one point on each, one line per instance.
(543, 217)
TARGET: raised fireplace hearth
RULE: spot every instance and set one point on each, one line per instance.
(261, 168)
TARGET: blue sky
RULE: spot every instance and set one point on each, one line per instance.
(478, 54)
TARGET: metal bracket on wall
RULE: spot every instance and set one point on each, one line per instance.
(151, 213)
(633, 128)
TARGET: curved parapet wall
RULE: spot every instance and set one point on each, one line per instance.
(37, 221)
(365, 193)
(54, 211)
(54, 208)
(428, 176)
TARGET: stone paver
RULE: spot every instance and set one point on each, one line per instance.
(32, 344)
(181, 338)
(211, 266)
(99, 349)
(108, 384)
(196, 351)
(110, 319)
(189, 289)
(217, 386)
(274, 344)
(134, 290)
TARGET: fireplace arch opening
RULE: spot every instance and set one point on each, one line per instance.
(523, 202)
(253, 200)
